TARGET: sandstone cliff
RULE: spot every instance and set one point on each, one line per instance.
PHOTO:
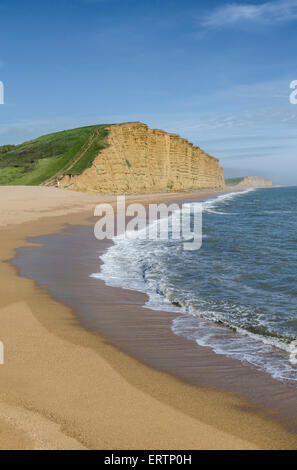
(253, 182)
(139, 159)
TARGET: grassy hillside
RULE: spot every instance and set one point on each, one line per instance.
(51, 157)
(234, 181)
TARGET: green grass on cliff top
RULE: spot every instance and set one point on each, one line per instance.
(51, 157)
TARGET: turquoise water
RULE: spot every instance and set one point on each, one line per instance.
(237, 294)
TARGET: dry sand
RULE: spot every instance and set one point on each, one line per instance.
(63, 387)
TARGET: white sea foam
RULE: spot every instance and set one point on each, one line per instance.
(218, 202)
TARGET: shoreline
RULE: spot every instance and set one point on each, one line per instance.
(44, 340)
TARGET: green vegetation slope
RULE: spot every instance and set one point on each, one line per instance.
(49, 158)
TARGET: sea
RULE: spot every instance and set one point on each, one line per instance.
(237, 294)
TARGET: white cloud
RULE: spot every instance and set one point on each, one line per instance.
(268, 12)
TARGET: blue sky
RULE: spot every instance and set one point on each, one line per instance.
(216, 72)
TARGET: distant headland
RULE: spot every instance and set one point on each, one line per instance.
(248, 182)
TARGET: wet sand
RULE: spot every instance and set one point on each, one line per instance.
(64, 385)
(63, 263)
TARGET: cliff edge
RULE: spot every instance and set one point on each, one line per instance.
(139, 159)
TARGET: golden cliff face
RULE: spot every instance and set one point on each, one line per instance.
(139, 160)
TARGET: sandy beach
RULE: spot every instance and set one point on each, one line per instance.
(66, 386)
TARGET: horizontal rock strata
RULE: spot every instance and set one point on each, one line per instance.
(139, 159)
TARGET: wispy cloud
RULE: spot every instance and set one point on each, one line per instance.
(268, 12)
